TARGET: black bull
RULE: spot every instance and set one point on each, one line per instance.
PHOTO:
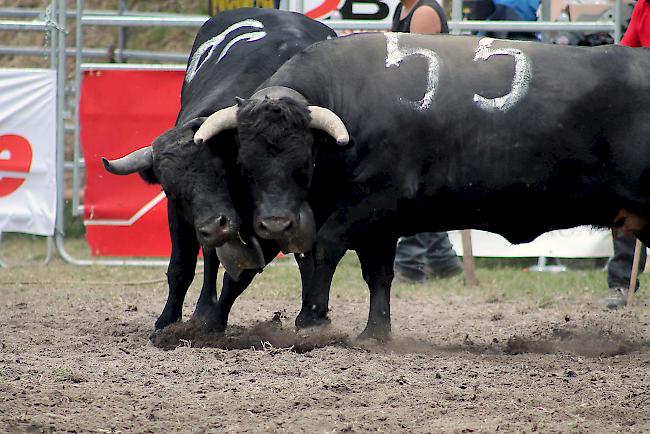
(445, 133)
(232, 54)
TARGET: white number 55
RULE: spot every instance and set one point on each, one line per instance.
(520, 81)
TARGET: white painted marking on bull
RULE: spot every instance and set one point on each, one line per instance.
(211, 44)
(395, 55)
(520, 81)
(248, 37)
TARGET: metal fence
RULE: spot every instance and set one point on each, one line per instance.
(53, 21)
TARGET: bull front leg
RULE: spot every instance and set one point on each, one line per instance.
(206, 305)
(316, 272)
(232, 289)
(377, 267)
(182, 264)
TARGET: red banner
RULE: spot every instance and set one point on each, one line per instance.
(121, 111)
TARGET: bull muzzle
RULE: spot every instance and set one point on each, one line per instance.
(274, 226)
(293, 234)
(216, 231)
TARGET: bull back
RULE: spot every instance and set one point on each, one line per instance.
(225, 60)
(441, 119)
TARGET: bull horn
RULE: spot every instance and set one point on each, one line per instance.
(224, 119)
(133, 162)
(325, 119)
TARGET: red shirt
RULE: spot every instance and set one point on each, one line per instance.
(638, 32)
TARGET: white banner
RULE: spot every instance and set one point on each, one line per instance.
(580, 242)
(27, 151)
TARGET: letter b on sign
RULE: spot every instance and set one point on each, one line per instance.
(15, 161)
(381, 10)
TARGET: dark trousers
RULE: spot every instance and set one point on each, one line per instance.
(619, 266)
(424, 253)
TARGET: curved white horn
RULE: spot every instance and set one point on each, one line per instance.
(133, 162)
(224, 119)
(325, 119)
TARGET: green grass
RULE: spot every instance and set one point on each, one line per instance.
(24, 254)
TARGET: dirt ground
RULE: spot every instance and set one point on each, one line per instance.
(77, 358)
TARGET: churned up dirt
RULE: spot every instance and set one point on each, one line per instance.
(80, 360)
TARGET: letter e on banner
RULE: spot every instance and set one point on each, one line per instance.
(15, 161)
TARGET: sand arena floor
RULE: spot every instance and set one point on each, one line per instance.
(77, 358)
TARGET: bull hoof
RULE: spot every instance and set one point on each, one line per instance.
(152, 335)
(378, 334)
(209, 316)
(309, 332)
(164, 320)
(210, 323)
(304, 321)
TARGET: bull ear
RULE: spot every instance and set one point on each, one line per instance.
(325, 119)
(224, 119)
(240, 101)
(195, 123)
(135, 161)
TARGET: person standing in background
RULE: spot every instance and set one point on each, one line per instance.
(619, 266)
(427, 254)
(419, 16)
(638, 31)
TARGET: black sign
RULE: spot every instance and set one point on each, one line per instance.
(382, 10)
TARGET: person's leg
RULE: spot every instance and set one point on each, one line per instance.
(409, 258)
(619, 268)
(441, 259)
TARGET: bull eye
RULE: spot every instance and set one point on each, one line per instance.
(301, 176)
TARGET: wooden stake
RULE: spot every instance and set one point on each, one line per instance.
(468, 259)
(635, 271)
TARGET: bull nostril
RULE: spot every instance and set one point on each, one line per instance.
(204, 233)
(222, 221)
(274, 225)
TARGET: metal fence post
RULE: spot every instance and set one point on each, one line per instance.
(53, 33)
(60, 107)
(546, 16)
(76, 181)
(456, 13)
(122, 35)
(617, 21)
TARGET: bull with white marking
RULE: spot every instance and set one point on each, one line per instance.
(432, 133)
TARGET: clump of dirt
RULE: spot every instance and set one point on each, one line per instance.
(265, 335)
(589, 342)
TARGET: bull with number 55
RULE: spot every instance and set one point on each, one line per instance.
(387, 135)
